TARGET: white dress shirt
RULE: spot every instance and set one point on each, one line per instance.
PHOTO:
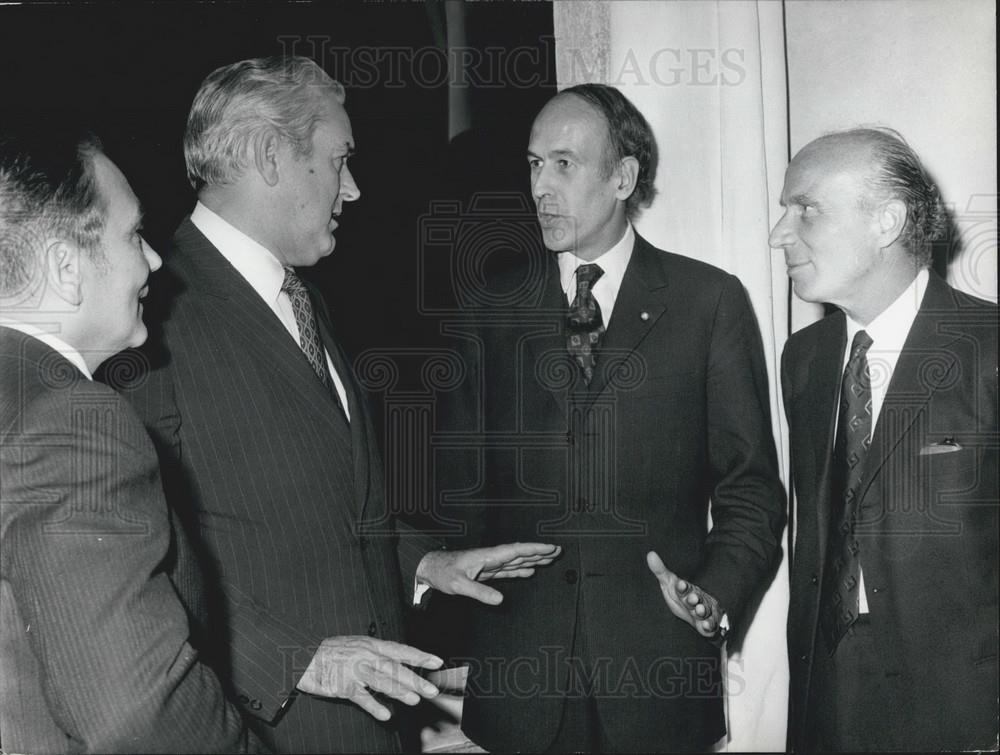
(613, 262)
(52, 341)
(888, 332)
(262, 270)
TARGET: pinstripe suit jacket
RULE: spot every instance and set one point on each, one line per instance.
(93, 641)
(277, 492)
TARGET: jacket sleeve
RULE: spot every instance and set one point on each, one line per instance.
(747, 499)
(84, 539)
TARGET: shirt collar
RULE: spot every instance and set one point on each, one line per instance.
(889, 330)
(52, 341)
(254, 262)
(613, 262)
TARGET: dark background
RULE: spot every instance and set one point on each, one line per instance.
(130, 70)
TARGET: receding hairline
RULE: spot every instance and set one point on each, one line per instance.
(608, 156)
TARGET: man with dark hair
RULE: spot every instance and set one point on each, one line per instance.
(94, 643)
(270, 455)
(892, 408)
(622, 394)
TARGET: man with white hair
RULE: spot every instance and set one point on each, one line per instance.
(270, 452)
(94, 643)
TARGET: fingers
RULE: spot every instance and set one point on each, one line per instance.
(686, 601)
(407, 654)
(363, 699)
(396, 681)
(508, 574)
(516, 555)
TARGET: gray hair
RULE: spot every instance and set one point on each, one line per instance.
(897, 173)
(238, 105)
(47, 190)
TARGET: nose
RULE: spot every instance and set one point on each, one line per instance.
(349, 191)
(540, 183)
(152, 258)
(782, 234)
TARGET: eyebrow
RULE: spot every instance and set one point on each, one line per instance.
(556, 153)
(802, 199)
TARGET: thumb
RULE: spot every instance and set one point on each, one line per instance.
(656, 565)
(470, 588)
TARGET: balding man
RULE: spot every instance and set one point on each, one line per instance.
(892, 405)
(623, 395)
(94, 643)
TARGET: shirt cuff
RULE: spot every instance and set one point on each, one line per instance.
(420, 589)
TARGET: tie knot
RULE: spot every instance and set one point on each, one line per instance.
(862, 342)
(588, 275)
(293, 283)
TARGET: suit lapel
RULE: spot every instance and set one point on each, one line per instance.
(912, 383)
(240, 310)
(821, 396)
(355, 404)
(549, 349)
(641, 302)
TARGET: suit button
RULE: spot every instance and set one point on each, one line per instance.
(814, 579)
(372, 629)
(256, 704)
(362, 543)
(570, 576)
(803, 658)
(244, 699)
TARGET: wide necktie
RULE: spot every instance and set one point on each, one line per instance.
(841, 589)
(584, 324)
(305, 318)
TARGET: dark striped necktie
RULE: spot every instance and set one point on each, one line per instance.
(841, 589)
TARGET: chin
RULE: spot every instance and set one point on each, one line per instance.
(557, 239)
(139, 336)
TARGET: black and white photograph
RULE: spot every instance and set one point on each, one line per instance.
(437, 376)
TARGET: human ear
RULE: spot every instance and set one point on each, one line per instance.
(891, 221)
(628, 175)
(267, 157)
(64, 269)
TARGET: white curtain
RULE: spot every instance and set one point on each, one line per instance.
(709, 75)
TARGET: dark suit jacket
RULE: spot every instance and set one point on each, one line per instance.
(677, 415)
(94, 644)
(927, 523)
(274, 486)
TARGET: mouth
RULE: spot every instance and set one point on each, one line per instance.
(547, 219)
(793, 266)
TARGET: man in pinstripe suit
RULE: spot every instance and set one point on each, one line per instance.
(269, 451)
(94, 644)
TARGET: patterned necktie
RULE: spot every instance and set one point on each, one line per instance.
(839, 606)
(584, 324)
(305, 318)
